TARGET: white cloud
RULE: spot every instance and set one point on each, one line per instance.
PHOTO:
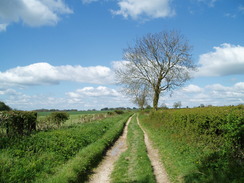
(227, 94)
(144, 8)
(240, 86)
(3, 27)
(119, 64)
(217, 87)
(23, 101)
(101, 96)
(82, 99)
(94, 92)
(192, 89)
(32, 12)
(226, 60)
(215, 94)
(4, 91)
(44, 73)
(98, 97)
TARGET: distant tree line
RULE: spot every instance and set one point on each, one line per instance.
(118, 108)
(54, 110)
(74, 110)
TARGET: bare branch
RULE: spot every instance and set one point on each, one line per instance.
(160, 61)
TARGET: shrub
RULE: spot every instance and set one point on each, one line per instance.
(4, 107)
(109, 113)
(59, 117)
(119, 112)
(18, 122)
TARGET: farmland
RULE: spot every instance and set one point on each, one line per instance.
(201, 144)
(195, 145)
(74, 113)
(46, 153)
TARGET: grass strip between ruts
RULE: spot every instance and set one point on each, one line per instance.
(134, 164)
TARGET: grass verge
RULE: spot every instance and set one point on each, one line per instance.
(78, 168)
(134, 164)
(40, 155)
(201, 145)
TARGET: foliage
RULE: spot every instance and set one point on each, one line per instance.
(18, 122)
(134, 164)
(93, 117)
(177, 105)
(78, 168)
(119, 112)
(59, 117)
(141, 97)
(46, 113)
(47, 122)
(40, 155)
(4, 107)
(200, 144)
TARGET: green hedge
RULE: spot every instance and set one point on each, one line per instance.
(18, 122)
(59, 117)
(210, 139)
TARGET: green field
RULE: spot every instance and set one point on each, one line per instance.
(73, 113)
(201, 144)
(196, 145)
(75, 117)
(44, 154)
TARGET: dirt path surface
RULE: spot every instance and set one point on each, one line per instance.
(159, 171)
(105, 168)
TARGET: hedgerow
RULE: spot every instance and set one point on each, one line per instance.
(18, 123)
(206, 143)
(40, 155)
(59, 117)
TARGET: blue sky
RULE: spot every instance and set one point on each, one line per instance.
(61, 53)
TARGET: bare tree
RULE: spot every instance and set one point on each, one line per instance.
(161, 61)
(177, 105)
(141, 97)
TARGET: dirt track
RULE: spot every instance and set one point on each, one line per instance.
(105, 168)
(159, 171)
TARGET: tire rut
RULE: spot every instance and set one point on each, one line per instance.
(105, 168)
(159, 170)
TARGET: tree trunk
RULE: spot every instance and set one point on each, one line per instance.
(157, 93)
(156, 98)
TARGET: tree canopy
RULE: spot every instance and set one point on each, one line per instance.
(161, 61)
(4, 107)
